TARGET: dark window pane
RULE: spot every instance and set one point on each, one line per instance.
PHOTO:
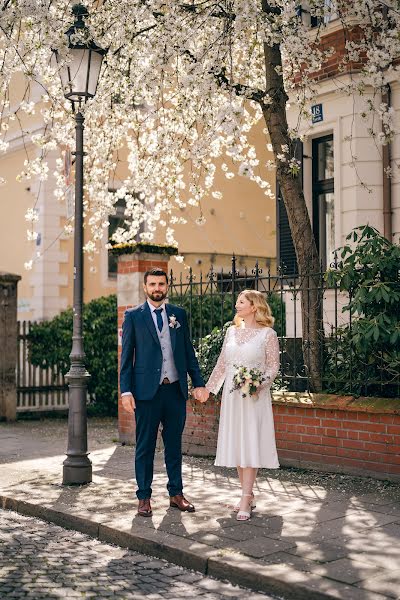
(115, 221)
(326, 205)
(325, 164)
(323, 217)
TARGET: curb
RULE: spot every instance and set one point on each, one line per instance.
(279, 579)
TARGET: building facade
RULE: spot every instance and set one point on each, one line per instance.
(345, 169)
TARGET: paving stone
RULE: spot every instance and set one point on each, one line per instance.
(387, 584)
(321, 552)
(347, 570)
(261, 546)
(244, 531)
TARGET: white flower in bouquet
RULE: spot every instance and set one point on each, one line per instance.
(247, 380)
(246, 389)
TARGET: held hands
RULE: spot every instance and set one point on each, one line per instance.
(201, 394)
(128, 403)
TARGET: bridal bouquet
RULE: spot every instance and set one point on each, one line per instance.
(247, 380)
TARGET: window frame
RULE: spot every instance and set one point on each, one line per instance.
(319, 187)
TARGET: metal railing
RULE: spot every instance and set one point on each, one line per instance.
(38, 390)
(209, 300)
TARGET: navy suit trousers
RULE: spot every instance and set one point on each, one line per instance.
(168, 408)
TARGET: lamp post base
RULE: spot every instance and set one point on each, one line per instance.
(77, 470)
(77, 467)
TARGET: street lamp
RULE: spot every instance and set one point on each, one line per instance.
(79, 78)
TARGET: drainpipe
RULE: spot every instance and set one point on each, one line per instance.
(387, 181)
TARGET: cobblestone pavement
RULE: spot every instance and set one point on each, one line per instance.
(43, 561)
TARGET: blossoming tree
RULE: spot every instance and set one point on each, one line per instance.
(183, 85)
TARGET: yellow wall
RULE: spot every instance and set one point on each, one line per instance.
(15, 250)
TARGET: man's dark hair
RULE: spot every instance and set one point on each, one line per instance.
(157, 272)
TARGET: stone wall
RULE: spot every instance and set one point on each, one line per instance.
(8, 345)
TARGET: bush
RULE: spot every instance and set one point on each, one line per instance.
(50, 344)
(364, 358)
(209, 348)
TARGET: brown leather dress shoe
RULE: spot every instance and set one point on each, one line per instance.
(144, 508)
(179, 501)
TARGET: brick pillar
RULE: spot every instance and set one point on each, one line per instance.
(8, 345)
(131, 269)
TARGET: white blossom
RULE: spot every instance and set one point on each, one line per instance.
(32, 215)
(31, 235)
(176, 97)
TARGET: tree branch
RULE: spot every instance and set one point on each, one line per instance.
(240, 89)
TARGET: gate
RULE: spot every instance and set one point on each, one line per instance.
(38, 390)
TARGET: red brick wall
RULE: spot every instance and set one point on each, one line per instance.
(359, 441)
(201, 431)
(356, 440)
(334, 65)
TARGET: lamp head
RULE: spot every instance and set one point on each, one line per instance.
(80, 76)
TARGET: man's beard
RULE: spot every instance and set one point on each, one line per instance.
(157, 296)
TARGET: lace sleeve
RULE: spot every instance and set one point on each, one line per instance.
(217, 377)
(272, 357)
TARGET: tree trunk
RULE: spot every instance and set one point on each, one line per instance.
(298, 216)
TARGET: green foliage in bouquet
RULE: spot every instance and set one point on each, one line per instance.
(50, 344)
(364, 358)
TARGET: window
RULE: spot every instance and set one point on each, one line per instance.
(115, 221)
(314, 21)
(323, 203)
(286, 254)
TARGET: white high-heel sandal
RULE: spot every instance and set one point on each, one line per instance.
(236, 508)
(244, 515)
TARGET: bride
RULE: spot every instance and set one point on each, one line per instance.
(246, 436)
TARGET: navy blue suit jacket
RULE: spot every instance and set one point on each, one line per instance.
(141, 358)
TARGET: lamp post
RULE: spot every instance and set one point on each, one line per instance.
(79, 78)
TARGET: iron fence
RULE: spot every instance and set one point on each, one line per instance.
(209, 300)
(37, 389)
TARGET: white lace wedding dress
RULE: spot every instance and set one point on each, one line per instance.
(246, 436)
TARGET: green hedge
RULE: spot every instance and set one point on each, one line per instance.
(50, 344)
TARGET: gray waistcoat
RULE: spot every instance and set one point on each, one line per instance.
(168, 368)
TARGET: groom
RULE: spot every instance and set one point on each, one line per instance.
(157, 355)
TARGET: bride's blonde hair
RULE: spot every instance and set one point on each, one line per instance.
(263, 315)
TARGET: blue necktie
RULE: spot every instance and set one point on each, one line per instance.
(160, 323)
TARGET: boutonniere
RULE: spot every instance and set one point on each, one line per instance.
(173, 322)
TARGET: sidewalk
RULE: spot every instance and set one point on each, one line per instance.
(312, 536)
